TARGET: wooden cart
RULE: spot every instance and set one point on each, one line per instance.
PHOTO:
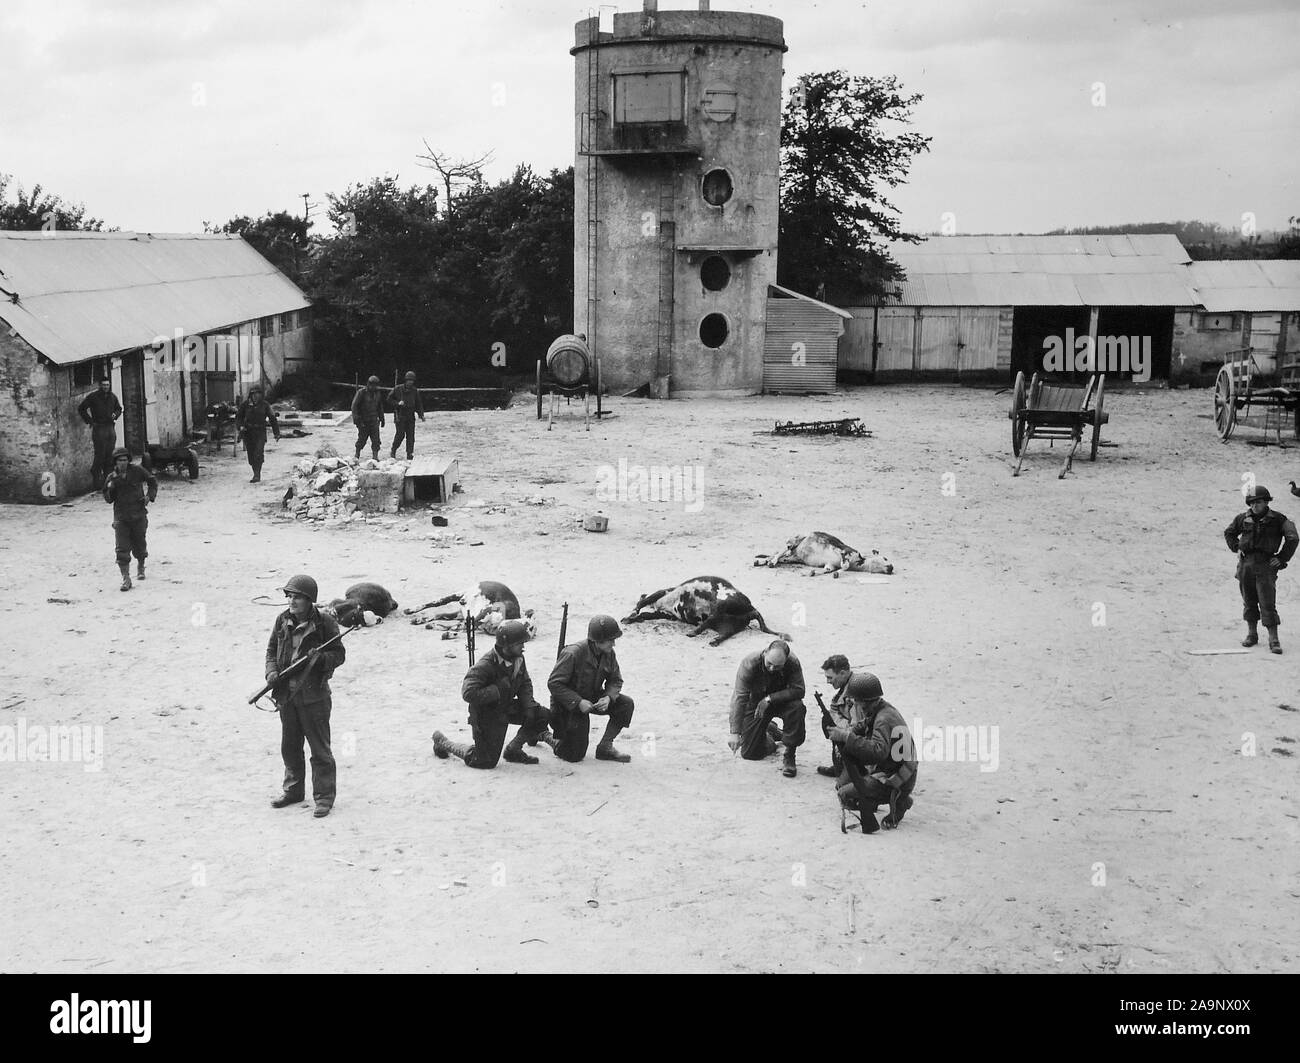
(1240, 389)
(1056, 410)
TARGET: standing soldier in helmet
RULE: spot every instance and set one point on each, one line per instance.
(879, 745)
(586, 682)
(304, 698)
(368, 415)
(406, 404)
(769, 683)
(127, 487)
(1266, 541)
(100, 409)
(499, 692)
(253, 416)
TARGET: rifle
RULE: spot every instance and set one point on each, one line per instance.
(564, 630)
(470, 624)
(850, 767)
(827, 721)
(300, 663)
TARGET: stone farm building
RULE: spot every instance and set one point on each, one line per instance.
(179, 321)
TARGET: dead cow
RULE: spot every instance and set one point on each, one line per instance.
(362, 598)
(829, 554)
(490, 604)
(709, 602)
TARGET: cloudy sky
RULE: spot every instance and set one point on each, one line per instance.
(159, 116)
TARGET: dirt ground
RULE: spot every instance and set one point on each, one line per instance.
(1141, 816)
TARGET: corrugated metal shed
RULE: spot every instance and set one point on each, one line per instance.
(85, 295)
(1247, 285)
(800, 343)
(1045, 271)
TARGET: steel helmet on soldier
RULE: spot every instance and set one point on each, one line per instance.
(121, 452)
(1260, 494)
(304, 585)
(512, 633)
(864, 686)
(603, 628)
(373, 380)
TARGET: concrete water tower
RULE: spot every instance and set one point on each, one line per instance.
(676, 195)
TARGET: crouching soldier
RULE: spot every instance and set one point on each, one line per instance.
(878, 755)
(127, 487)
(499, 692)
(768, 684)
(253, 417)
(838, 673)
(303, 697)
(585, 682)
(1266, 541)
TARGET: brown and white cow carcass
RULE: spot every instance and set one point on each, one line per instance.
(709, 602)
(825, 553)
(359, 599)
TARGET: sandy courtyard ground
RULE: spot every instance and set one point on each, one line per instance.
(1141, 816)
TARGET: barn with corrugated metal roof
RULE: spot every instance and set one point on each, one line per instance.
(176, 322)
(800, 344)
(986, 307)
(1246, 306)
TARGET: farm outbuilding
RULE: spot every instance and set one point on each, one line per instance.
(978, 308)
(176, 321)
(1244, 305)
(800, 348)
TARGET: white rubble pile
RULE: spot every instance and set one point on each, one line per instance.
(325, 488)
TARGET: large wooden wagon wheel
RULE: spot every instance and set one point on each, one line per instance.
(1096, 414)
(1225, 404)
(1018, 414)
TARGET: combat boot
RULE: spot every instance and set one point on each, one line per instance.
(1252, 635)
(605, 748)
(898, 806)
(1274, 645)
(515, 754)
(126, 576)
(443, 748)
(139, 569)
(787, 764)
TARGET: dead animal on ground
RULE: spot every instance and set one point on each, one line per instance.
(488, 602)
(823, 551)
(362, 598)
(709, 602)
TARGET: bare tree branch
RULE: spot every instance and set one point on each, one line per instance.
(453, 170)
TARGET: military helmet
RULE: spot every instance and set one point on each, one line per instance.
(373, 380)
(512, 633)
(603, 628)
(864, 686)
(1260, 494)
(410, 375)
(121, 452)
(304, 585)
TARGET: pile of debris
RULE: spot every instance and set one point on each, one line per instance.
(333, 488)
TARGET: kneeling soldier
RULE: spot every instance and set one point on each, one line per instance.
(127, 487)
(499, 692)
(304, 698)
(585, 682)
(1266, 541)
(768, 684)
(838, 673)
(879, 745)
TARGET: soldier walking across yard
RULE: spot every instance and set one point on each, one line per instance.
(304, 698)
(406, 405)
(499, 692)
(100, 409)
(129, 488)
(252, 418)
(1266, 540)
(879, 745)
(586, 681)
(769, 683)
(368, 415)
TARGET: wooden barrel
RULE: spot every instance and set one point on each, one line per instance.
(567, 360)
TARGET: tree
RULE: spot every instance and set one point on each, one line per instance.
(837, 158)
(280, 237)
(454, 171)
(39, 210)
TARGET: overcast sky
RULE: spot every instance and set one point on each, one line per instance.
(160, 116)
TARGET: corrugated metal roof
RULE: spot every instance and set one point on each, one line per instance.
(85, 295)
(1045, 271)
(1247, 285)
(771, 288)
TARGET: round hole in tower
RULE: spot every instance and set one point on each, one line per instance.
(715, 274)
(716, 187)
(713, 331)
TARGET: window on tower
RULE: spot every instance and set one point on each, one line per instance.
(655, 96)
(716, 187)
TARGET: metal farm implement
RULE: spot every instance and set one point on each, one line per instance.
(1241, 387)
(846, 426)
(1051, 410)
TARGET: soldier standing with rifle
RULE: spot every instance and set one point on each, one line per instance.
(302, 692)
(1266, 541)
(499, 692)
(406, 404)
(252, 418)
(878, 754)
(368, 416)
(585, 682)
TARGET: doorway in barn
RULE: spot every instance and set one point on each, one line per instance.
(1032, 325)
(133, 403)
(1148, 327)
